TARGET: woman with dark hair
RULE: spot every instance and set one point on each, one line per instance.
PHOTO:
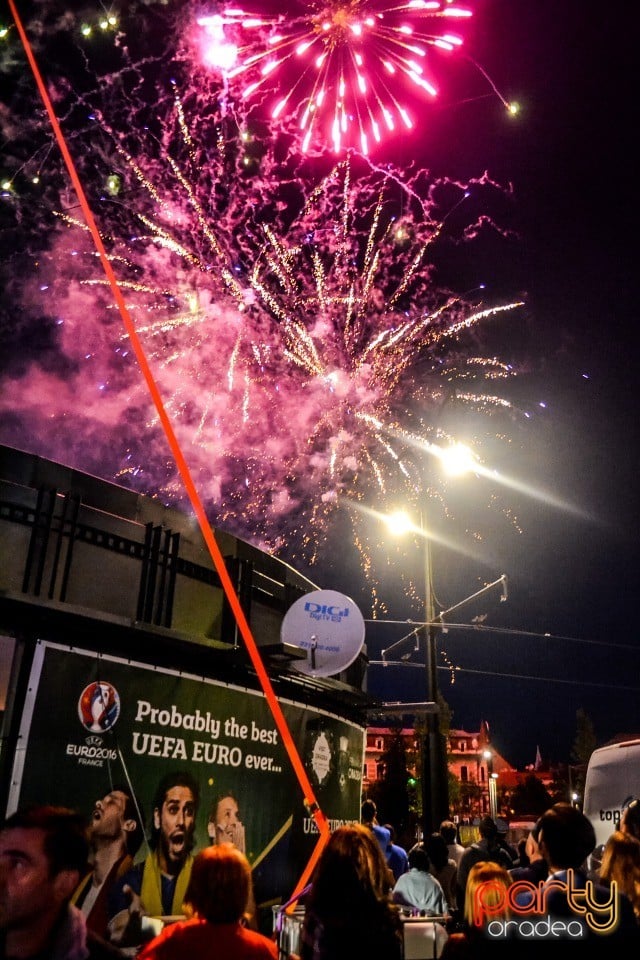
(348, 911)
(216, 903)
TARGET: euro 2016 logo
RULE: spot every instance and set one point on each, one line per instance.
(99, 706)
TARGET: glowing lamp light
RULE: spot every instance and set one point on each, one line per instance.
(458, 459)
(513, 109)
(398, 523)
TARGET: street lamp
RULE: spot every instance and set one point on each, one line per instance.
(435, 788)
(492, 784)
(455, 459)
(493, 796)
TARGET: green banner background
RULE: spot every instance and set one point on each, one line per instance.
(224, 736)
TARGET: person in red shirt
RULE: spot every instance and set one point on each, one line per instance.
(219, 890)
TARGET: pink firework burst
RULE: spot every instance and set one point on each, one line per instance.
(346, 69)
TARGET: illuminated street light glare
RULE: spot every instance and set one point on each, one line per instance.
(399, 522)
(457, 459)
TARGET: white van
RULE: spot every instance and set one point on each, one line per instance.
(612, 782)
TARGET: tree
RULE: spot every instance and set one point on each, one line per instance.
(585, 740)
(583, 746)
(391, 792)
(530, 798)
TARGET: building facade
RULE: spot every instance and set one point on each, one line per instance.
(471, 759)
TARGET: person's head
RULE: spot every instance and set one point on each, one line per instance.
(392, 832)
(488, 829)
(351, 873)
(486, 893)
(43, 854)
(437, 850)
(224, 824)
(174, 817)
(630, 820)
(449, 831)
(419, 858)
(368, 811)
(115, 820)
(621, 863)
(220, 885)
(566, 837)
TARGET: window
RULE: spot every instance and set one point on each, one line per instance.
(464, 773)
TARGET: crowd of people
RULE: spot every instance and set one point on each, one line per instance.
(72, 890)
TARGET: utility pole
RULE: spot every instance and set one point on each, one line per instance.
(435, 785)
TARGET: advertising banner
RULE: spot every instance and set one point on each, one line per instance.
(93, 721)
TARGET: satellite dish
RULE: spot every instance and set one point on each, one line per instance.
(329, 627)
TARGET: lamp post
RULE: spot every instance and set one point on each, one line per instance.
(456, 459)
(434, 781)
(492, 784)
(435, 786)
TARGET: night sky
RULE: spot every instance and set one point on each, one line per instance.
(570, 159)
(566, 636)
